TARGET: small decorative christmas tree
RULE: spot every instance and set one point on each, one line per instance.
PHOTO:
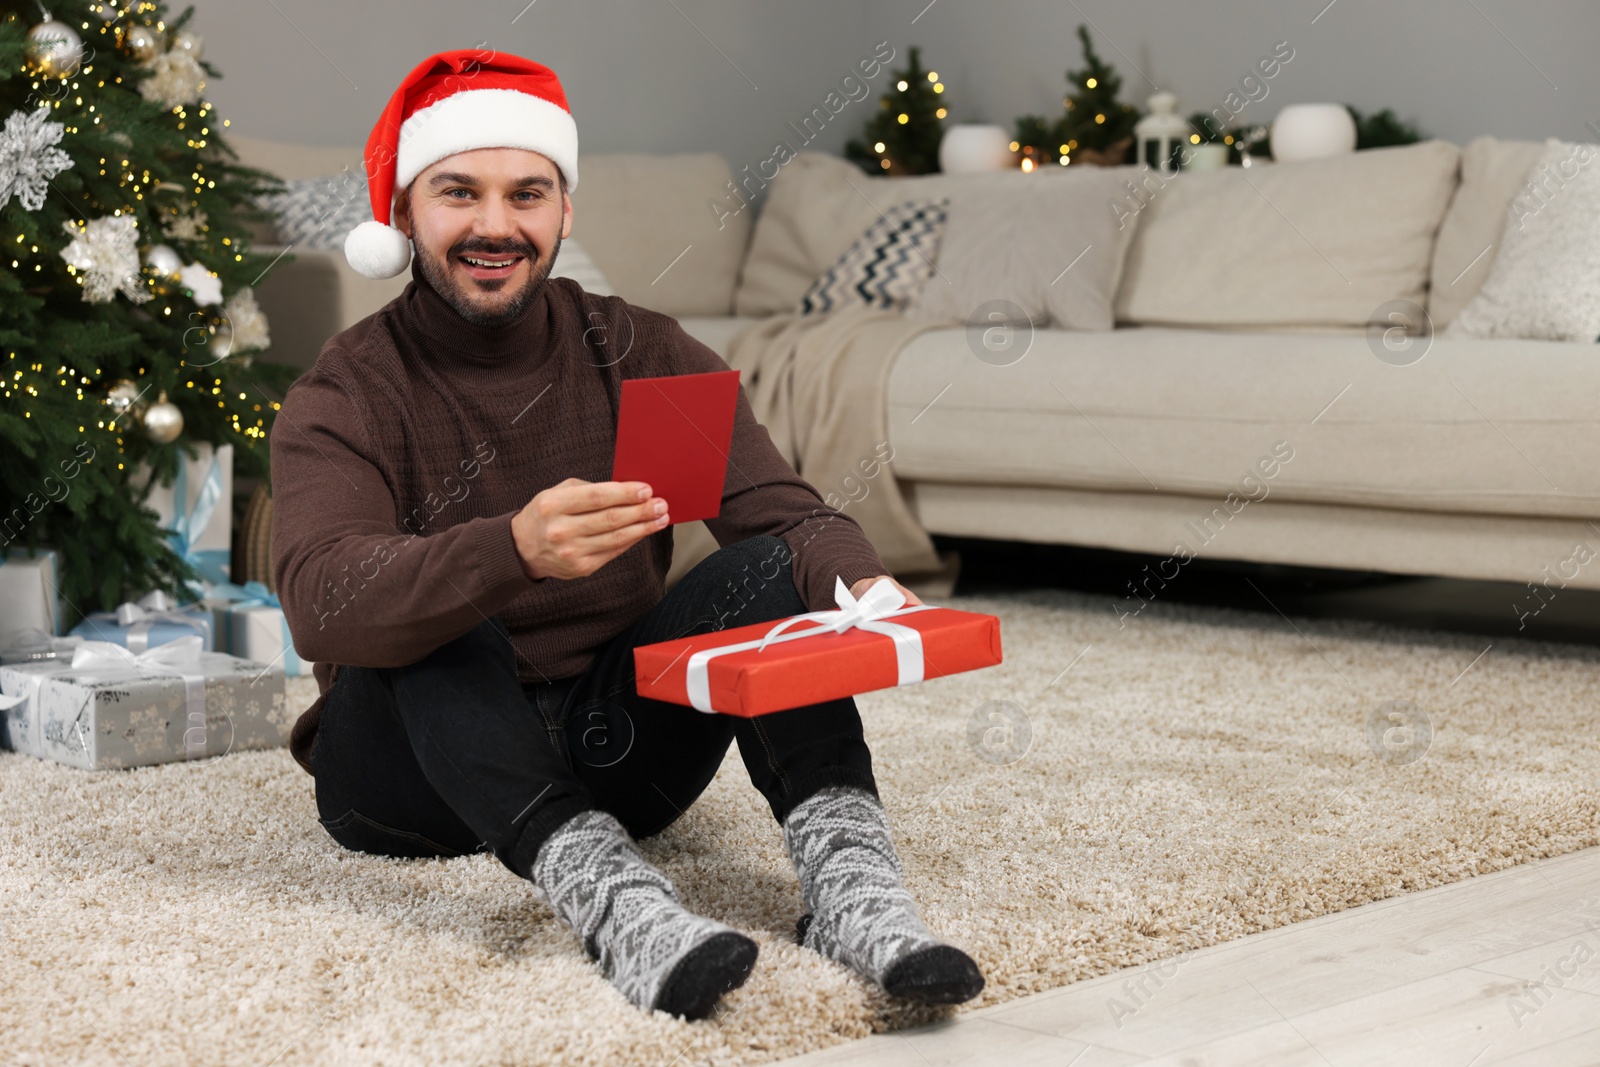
(1382, 129)
(127, 321)
(1094, 128)
(903, 137)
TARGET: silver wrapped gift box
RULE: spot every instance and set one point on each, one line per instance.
(108, 707)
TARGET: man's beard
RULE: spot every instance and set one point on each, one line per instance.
(439, 274)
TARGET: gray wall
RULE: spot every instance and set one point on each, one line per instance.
(647, 75)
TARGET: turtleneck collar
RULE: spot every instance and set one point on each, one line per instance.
(455, 339)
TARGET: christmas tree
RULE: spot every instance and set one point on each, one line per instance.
(903, 137)
(1094, 127)
(128, 328)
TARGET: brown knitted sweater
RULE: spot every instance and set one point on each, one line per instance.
(400, 458)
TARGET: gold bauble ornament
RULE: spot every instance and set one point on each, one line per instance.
(189, 41)
(221, 339)
(121, 396)
(163, 422)
(54, 48)
(142, 41)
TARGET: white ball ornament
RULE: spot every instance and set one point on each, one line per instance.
(188, 41)
(163, 422)
(164, 261)
(375, 250)
(55, 48)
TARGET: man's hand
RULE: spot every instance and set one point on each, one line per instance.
(575, 528)
(866, 583)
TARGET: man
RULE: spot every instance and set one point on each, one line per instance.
(451, 552)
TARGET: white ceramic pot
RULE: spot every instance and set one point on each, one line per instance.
(1312, 131)
(971, 149)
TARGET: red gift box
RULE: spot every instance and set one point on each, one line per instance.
(806, 661)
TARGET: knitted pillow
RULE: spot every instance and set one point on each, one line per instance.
(887, 266)
(316, 213)
(573, 262)
(1545, 282)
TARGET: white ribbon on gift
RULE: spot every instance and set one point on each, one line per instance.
(180, 657)
(35, 679)
(138, 617)
(882, 601)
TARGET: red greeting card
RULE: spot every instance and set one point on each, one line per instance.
(674, 433)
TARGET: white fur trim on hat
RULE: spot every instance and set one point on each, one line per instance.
(487, 118)
(377, 250)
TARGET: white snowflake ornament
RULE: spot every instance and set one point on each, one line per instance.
(105, 252)
(205, 286)
(185, 227)
(27, 160)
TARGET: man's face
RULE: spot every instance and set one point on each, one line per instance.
(487, 226)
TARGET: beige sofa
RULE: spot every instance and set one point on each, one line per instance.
(1240, 354)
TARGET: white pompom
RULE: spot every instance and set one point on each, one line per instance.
(376, 250)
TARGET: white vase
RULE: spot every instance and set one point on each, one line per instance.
(967, 148)
(1312, 131)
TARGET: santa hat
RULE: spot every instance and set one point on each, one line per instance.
(455, 102)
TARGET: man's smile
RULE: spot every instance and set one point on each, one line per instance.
(497, 265)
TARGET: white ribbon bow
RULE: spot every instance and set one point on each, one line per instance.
(137, 617)
(882, 601)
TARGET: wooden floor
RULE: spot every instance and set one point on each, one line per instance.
(1446, 976)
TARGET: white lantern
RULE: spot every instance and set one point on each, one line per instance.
(1312, 131)
(1161, 133)
(969, 149)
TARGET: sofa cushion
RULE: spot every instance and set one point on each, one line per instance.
(1492, 173)
(1315, 243)
(646, 221)
(1050, 245)
(887, 266)
(819, 204)
(1475, 426)
(574, 261)
(1545, 281)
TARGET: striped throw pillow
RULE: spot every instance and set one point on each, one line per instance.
(887, 266)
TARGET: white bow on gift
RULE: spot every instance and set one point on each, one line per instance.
(882, 601)
(137, 617)
(181, 655)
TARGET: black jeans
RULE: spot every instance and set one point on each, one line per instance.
(452, 754)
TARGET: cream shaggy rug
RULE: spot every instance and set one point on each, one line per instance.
(1193, 777)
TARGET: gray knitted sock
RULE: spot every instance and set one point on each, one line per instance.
(658, 954)
(861, 913)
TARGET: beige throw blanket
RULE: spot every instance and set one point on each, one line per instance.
(817, 383)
